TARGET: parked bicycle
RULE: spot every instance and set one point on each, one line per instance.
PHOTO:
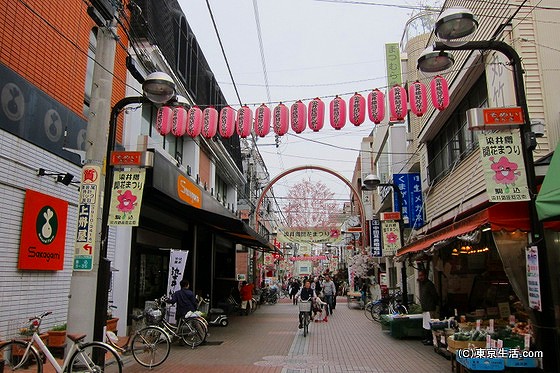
(150, 346)
(25, 356)
(192, 329)
(391, 304)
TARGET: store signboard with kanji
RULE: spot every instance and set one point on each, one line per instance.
(87, 218)
(390, 231)
(504, 169)
(308, 235)
(126, 197)
(411, 191)
(533, 283)
(376, 240)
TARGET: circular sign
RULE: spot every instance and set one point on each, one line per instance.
(53, 125)
(13, 103)
(46, 225)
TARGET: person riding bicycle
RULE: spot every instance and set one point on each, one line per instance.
(185, 300)
(305, 294)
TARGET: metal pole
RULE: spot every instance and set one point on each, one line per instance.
(545, 327)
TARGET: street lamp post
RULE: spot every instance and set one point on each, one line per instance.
(455, 24)
(371, 182)
(158, 88)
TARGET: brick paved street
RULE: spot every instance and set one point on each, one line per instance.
(269, 341)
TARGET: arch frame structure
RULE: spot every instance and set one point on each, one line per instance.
(355, 192)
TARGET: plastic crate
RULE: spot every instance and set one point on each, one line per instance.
(495, 364)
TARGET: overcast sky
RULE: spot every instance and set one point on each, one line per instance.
(312, 48)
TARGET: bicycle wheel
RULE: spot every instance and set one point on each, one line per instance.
(253, 305)
(151, 346)
(367, 310)
(84, 359)
(305, 324)
(376, 311)
(14, 360)
(193, 332)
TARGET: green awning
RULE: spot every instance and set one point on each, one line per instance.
(548, 199)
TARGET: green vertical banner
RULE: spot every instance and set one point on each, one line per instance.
(393, 60)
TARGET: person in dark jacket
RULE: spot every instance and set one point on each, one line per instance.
(306, 293)
(428, 301)
(185, 300)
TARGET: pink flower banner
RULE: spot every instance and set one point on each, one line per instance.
(391, 237)
(504, 169)
(126, 197)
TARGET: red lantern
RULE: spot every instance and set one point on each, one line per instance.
(227, 122)
(179, 126)
(244, 121)
(194, 123)
(280, 120)
(439, 92)
(397, 103)
(376, 106)
(316, 114)
(418, 97)
(338, 113)
(164, 120)
(209, 122)
(298, 116)
(262, 121)
(357, 109)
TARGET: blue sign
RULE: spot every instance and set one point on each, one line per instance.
(375, 237)
(411, 190)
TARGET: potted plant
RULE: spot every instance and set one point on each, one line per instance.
(57, 335)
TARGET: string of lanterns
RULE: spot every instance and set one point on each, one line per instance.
(193, 122)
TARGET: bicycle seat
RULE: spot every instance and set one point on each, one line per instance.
(76, 337)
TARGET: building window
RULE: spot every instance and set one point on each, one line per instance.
(92, 46)
(454, 141)
(221, 189)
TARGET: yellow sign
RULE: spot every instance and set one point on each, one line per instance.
(391, 237)
(189, 192)
(126, 197)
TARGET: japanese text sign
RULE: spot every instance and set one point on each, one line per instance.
(533, 283)
(504, 170)
(375, 237)
(393, 60)
(412, 200)
(310, 235)
(390, 231)
(126, 197)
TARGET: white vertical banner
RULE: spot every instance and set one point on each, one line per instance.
(533, 283)
(177, 263)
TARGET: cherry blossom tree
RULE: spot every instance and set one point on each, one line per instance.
(310, 204)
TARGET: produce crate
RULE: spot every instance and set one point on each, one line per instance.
(459, 345)
(495, 364)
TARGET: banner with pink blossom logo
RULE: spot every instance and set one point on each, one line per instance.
(126, 197)
(504, 169)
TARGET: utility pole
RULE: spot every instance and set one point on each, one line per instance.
(83, 285)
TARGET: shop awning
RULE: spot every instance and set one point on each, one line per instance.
(508, 216)
(548, 199)
(243, 234)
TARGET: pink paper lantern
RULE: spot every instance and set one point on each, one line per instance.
(194, 122)
(209, 122)
(439, 92)
(262, 121)
(298, 115)
(357, 109)
(338, 113)
(418, 98)
(179, 126)
(280, 119)
(316, 114)
(376, 106)
(164, 120)
(398, 103)
(244, 121)
(227, 122)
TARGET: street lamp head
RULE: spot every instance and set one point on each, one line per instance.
(454, 25)
(159, 87)
(371, 181)
(432, 62)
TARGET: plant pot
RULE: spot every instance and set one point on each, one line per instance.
(57, 338)
(112, 324)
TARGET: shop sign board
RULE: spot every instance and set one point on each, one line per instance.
(43, 232)
(495, 118)
(411, 189)
(391, 234)
(504, 169)
(533, 283)
(126, 197)
(376, 241)
(87, 218)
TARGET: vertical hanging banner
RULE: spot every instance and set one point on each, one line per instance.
(375, 234)
(412, 208)
(87, 218)
(177, 263)
(533, 284)
(393, 60)
(504, 169)
(126, 197)
(390, 232)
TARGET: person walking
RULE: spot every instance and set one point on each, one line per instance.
(295, 288)
(246, 294)
(329, 291)
(185, 300)
(428, 301)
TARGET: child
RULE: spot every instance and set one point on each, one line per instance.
(319, 312)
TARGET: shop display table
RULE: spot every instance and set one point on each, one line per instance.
(408, 326)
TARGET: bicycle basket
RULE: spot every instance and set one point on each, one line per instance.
(153, 315)
(304, 306)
